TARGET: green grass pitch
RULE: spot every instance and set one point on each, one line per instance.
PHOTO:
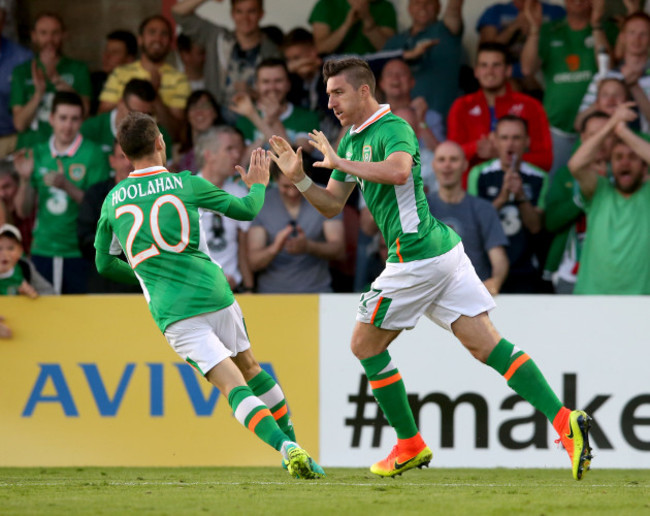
(270, 491)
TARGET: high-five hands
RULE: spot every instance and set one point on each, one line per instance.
(320, 142)
(258, 170)
(288, 160)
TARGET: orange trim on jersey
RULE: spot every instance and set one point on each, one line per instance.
(516, 365)
(280, 412)
(376, 384)
(373, 119)
(374, 313)
(257, 418)
(150, 173)
(399, 255)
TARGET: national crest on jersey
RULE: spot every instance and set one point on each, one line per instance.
(77, 171)
(367, 153)
(400, 211)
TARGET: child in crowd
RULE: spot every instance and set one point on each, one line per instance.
(17, 275)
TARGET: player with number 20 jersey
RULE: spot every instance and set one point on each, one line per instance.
(155, 213)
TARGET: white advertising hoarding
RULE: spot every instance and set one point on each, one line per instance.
(593, 351)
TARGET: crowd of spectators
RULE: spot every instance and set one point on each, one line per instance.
(538, 157)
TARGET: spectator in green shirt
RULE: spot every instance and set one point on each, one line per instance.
(352, 26)
(54, 177)
(34, 83)
(614, 259)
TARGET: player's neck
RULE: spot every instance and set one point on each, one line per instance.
(148, 161)
(366, 112)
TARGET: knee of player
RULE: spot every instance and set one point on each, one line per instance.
(356, 348)
(249, 369)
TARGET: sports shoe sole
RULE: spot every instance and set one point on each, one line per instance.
(583, 463)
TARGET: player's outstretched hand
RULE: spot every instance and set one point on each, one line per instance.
(320, 142)
(287, 160)
(258, 170)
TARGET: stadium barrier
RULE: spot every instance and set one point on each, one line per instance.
(89, 380)
(593, 351)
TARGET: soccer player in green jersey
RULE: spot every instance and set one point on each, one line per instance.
(427, 271)
(155, 216)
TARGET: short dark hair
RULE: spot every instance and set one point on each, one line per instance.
(274, 34)
(67, 98)
(272, 62)
(297, 36)
(513, 118)
(197, 95)
(235, 2)
(493, 46)
(591, 116)
(126, 37)
(639, 15)
(141, 88)
(151, 18)
(183, 43)
(137, 135)
(357, 72)
(48, 14)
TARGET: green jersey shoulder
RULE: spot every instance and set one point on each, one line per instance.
(400, 211)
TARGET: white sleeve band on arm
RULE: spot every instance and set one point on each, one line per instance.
(304, 183)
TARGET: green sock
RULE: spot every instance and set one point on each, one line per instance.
(266, 388)
(254, 415)
(524, 378)
(390, 393)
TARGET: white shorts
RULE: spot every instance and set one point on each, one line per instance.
(205, 340)
(442, 288)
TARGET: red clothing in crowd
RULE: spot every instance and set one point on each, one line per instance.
(469, 120)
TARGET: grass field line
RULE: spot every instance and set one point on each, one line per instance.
(88, 483)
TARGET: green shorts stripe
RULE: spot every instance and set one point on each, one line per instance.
(380, 311)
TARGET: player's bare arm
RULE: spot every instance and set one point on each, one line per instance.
(328, 201)
(26, 195)
(394, 170)
(186, 7)
(580, 163)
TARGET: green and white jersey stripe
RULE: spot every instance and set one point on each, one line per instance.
(401, 211)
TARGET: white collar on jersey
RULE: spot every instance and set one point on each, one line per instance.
(383, 110)
(70, 151)
(149, 171)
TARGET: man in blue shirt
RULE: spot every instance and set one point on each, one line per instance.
(436, 71)
(11, 54)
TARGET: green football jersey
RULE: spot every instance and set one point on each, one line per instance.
(401, 211)
(74, 72)
(10, 283)
(55, 230)
(155, 216)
